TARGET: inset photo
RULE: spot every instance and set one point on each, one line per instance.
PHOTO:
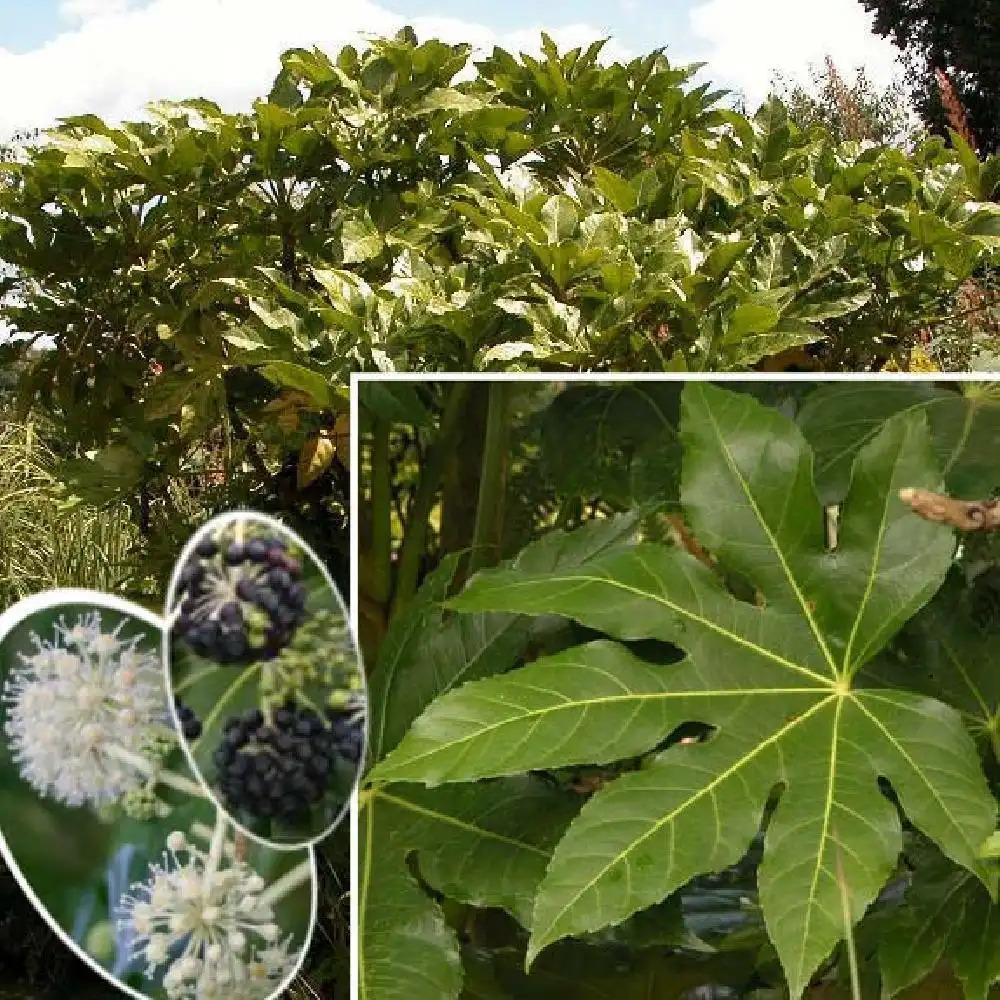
(679, 687)
(266, 679)
(105, 828)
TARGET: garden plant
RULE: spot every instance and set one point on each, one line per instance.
(191, 291)
(716, 707)
(207, 280)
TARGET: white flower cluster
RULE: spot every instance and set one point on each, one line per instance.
(79, 708)
(209, 925)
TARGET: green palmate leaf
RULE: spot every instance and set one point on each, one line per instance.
(407, 951)
(428, 651)
(617, 442)
(838, 418)
(950, 651)
(752, 317)
(829, 301)
(116, 468)
(317, 385)
(395, 402)
(559, 215)
(777, 682)
(946, 914)
(541, 716)
(361, 240)
(486, 844)
(616, 189)
(449, 99)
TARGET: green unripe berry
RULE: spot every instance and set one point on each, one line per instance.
(100, 942)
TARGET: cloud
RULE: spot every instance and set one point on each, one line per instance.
(745, 43)
(117, 56)
(85, 10)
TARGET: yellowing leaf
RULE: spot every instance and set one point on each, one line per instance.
(315, 458)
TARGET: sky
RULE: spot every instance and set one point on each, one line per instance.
(111, 57)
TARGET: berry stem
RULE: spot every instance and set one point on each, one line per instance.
(216, 847)
(276, 674)
(220, 705)
(164, 777)
(288, 883)
(205, 832)
(193, 679)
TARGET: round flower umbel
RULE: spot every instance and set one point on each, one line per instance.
(242, 599)
(205, 918)
(82, 712)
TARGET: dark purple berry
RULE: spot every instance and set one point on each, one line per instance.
(206, 548)
(256, 551)
(297, 596)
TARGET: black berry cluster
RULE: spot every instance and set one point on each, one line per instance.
(190, 723)
(277, 768)
(348, 729)
(242, 600)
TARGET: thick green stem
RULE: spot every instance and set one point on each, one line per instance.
(415, 537)
(381, 508)
(493, 481)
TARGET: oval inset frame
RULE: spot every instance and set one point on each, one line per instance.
(51, 600)
(276, 526)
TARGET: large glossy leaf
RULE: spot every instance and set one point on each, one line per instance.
(428, 650)
(406, 951)
(617, 442)
(946, 914)
(486, 844)
(950, 652)
(840, 417)
(777, 681)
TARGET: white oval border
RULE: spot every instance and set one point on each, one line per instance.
(230, 517)
(46, 601)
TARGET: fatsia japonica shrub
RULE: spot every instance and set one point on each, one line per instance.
(743, 733)
(208, 278)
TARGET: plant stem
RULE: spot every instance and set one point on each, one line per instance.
(845, 903)
(381, 508)
(289, 882)
(176, 781)
(415, 536)
(217, 847)
(493, 480)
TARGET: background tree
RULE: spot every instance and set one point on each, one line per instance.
(857, 110)
(963, 39)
